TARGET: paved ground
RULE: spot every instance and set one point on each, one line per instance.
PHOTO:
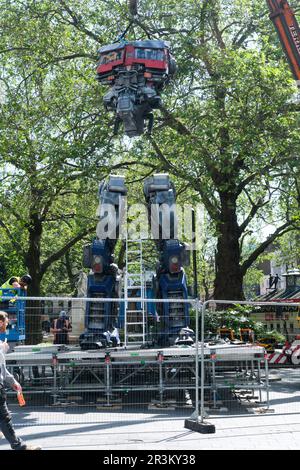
(83, 429)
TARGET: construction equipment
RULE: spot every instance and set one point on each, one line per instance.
(268, 343)
(170, 279)
(104, 279)
(288, 31)
(247, 335)
(15, 309)
(226, 333)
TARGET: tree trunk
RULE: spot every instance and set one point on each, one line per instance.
(121, 261)
(229, 277)
(33, 312)
(71, 276)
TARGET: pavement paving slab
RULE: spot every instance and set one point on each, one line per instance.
(141, 428)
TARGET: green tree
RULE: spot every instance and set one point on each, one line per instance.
(227, 128)
(56, 148)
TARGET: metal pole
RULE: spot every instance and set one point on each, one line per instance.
(55, 363)
(195, 415)
(193, 423)
(161, 383)
(197, 362)
(194, 254)
(107, 361)
(203, 310)
(108, 384)
(214, 385)
(267, 381)
(259, 378)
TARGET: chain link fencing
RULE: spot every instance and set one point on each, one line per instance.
(252, 350)
(224, 367)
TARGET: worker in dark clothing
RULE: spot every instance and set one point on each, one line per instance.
(6, 379)
(275, 281)
(61, 328)
(271, 281)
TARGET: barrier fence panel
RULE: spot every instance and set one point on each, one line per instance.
(249, 359)
(103, 370)
(235, 359)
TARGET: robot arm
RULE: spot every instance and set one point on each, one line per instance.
(111, 208)
(99, 255)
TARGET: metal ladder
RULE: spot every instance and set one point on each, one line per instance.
(134, 282)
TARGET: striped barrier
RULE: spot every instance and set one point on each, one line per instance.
(277, 358)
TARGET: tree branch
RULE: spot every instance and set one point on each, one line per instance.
(76, 22)
(210, 206)
(14, 242)
(254, 209)
(262, 171)
(285, 228)
(216, 30)
(59, 253)
(244, 33)
(171, 121)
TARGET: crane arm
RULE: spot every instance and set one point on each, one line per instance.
(288, 31)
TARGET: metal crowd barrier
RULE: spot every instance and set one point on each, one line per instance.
(209, 378)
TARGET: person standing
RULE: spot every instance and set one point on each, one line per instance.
(7, 379)
(61, 328)
(276, 280)
(271, 281)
